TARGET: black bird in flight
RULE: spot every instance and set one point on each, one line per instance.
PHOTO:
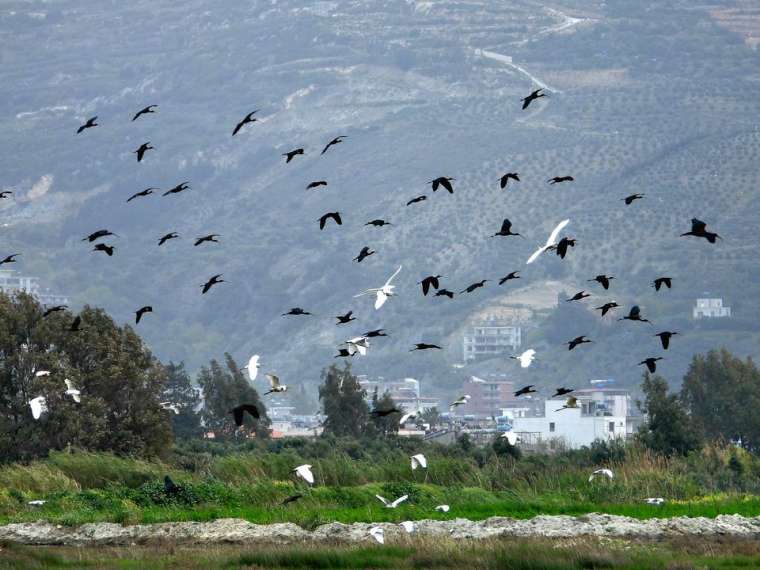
(506, 229)
(665, 338)
(316, 184)
(425, 346)
(561, 247)
(635, 315)
(388, 412)
(239, 411)
(474, 286)
(417, 199)
(577, 341)
(526, 390)
(532, 97)
(76, 324)
(335, 217)
(97, 235)
(444, 293)
(428, 282)
(444, 181)
(558, 179)
(10, 258)
(5, 194)
(89, 124)
(375, 333)
(363, 254)
(141, 311)
(107, 249)
(660, 281)
(578, 296)
(167, 237)
(141, 194)
(699, 229)
(651, 363)
(630, 199)
(344, 319)
(336, 140)
(343, 353)
(607, 307)
(378, 223)
(55, 309)
(144, 111)
(561, 391)
(208, 238)
(603, 280)
(211, 282)
(292, 154)
(177, 189)
(170, 487)
(291, 499)
(513, 275)
(504, 180)
(296, 311)
(140, 152)
(249, 118)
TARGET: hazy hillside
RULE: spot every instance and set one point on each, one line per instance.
(652, 97)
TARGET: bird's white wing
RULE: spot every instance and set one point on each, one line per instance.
(383, 500)
(404, 419)
(69, 385)
(527, 357)
(304, 471)
(392, 276)
(510, 436)
(442, 508)
(408, 526)
(38, 406)
(535, 255)
(368, 292)
(253, 367)
(274, 381)
(42, 373)
(420, 460)
(555, 233)
(377, 533)
(380, 300)
(398, 501)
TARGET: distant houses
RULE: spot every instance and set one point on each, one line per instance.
(710, 308)
(489, 338)
(13, 282)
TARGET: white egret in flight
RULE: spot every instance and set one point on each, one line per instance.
(382, 293)
(549, 242)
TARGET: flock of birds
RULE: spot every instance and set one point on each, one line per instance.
(561, 246)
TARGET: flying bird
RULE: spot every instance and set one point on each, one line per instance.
(378, 534)
(552, 240)
(291, 499)
(345, 319)
(141, 194)
(89, 124)
(144, 111)
(392, 505)
(634, 315)
(405, 418)
(408, 526)
(55, 309)
(208, 238)
(316, 184)
(504, 180)
(526, 358)
(107, 249)
(442, 508)
(252, 367)
(170, 487)
(344, 353)
(304, 472)
(375, 333)
(296, 311)
(606, 472)
(474, 286)
(650, 363)
(238, 413)
(5, 193)
(657, 501)
(335, 216)
(274, 384)
(699, 229)
(167, 237)
(513, 275)
(525, 390)
(97, 235)
(292, 154)
(603, 280)
(431, 281)
(38, 406)
(383, 293)
(249, 118)
(143, 148)
(660, 281)
(526, 101)
(358, 344)
(169, 406)
(572, 402)
(461, 401)
(76, 324)
(42, 373)
(578, 296)
(563, 245)
(561, 391)
(665, 337)
(630, 199)
(378, 223)
(444, 293)
(336, 140)
(576, 341)
(363, 254)
(417, 199)
(425, 346)
(558, 179)
(211, 282)
(177, 189)
(141, 311)
(10, 258)
(510, 436)
(387, 412)
(607, 307)
(443, 181)
(506, 229)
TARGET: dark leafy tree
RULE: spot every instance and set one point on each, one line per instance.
(343, 402)
(384, 425)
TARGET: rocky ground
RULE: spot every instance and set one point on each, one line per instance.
(240, 531)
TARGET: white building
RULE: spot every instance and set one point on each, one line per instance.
(601, 414)
(490, 338)
(12, 282)
(711, 309)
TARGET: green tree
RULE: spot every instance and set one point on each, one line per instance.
(384, 425)
(179, 390)
(226, 387)
(669, 429)
(343, 402)
(121, 384)
(722, 393)
(431, 416)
